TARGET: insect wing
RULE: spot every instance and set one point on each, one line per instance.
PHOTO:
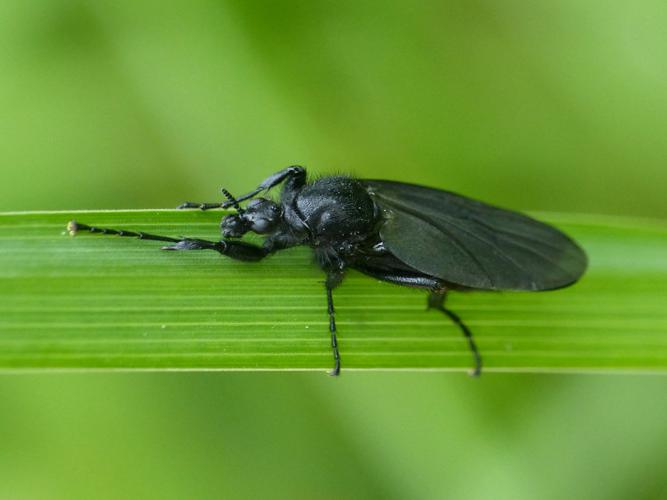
(473, 244)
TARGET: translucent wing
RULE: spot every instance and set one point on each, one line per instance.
(470, 243)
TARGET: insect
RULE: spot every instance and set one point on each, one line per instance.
(401, 233)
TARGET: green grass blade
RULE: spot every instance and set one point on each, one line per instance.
(95, 301)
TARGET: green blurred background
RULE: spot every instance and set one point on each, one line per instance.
(542, 105)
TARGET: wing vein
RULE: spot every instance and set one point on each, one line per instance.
(455, 239)
(473, 243)
(451, 220)
(530, 249)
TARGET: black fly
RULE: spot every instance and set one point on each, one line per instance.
(401, 233)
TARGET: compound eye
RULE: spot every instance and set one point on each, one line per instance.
(233, 226)
(261, 225)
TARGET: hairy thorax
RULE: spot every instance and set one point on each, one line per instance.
(338, 212)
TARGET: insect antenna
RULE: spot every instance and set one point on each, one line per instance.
(233, 201)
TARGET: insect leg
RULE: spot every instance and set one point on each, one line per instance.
(436, 300)
(208, 206)
(74, 227)
(201, 206)
(295, 172)
(238, 250)
(398, 277)
(332, 328)
(333, 280)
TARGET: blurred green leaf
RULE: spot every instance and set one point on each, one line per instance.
(102, 302)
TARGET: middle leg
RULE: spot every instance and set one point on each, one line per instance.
(332, 281)
(332, 329)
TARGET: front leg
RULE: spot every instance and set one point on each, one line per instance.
(295, 175)
(238, 250)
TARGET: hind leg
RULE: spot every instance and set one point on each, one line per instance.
(388, 271)
(436, 300)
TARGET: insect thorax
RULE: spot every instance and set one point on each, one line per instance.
(337, 210)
